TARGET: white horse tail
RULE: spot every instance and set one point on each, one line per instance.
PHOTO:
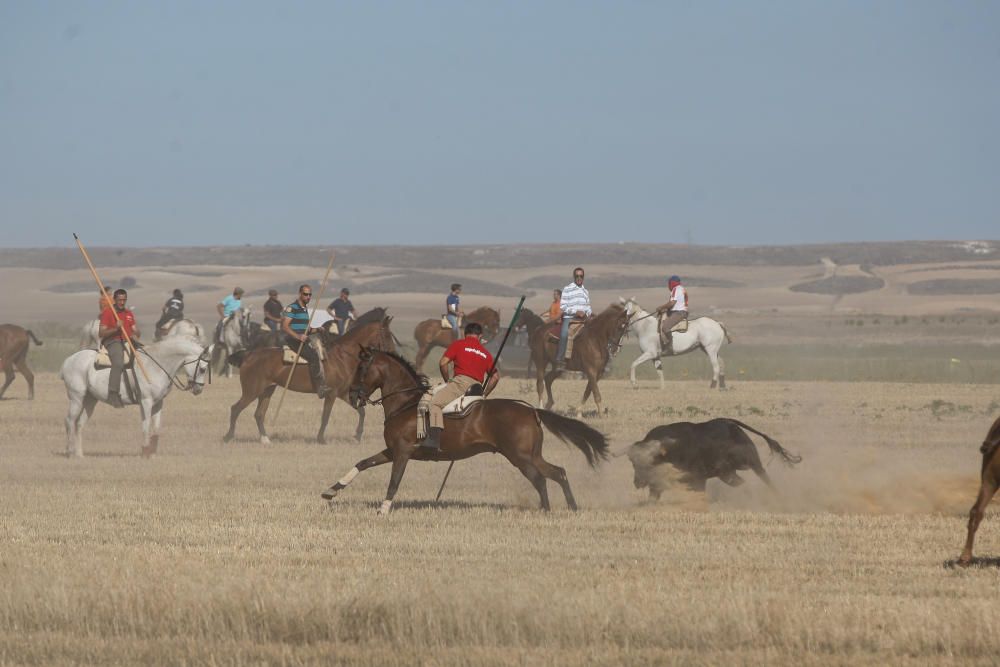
(725, 331)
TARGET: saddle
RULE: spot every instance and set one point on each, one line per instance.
(445, 324)
(288, 355)
(103, 361)
(575, 327)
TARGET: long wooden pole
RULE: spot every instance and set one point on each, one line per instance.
(107, 299)
(291, 370)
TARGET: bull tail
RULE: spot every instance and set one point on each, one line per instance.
(31, 335)
(786, 456)
(587, 439)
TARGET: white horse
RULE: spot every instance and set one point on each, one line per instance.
(233, 336)
(90, 341)
(703, 333)
(163, 361)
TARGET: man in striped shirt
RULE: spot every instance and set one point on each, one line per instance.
(295, 325)
(575, 306)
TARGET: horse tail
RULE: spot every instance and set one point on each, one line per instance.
(588, 440)
(236, 358)
(786, 456)
(32, 337)
(725, 332)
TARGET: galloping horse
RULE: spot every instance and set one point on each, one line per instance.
(263, 370)
(233, 337)
(703, 333)
(429, 333)
(163, 360)
(989, 483)
(14, 344)
(503, 426)
(592, 349)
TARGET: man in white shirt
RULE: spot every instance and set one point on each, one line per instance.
(575, 306)
(676, 309)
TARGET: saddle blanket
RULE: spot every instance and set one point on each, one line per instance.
(104, 361)
(445, 324)
(680, 327)
(288, 355)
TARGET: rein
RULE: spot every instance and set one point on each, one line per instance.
(365, 395)
(173, 378)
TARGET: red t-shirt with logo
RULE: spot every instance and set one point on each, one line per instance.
(470, 357)
(108, 322)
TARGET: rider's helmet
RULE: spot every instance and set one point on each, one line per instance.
(674, 280)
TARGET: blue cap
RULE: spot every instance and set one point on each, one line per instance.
(674, 279)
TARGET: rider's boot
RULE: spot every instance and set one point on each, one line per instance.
(115, 399)
(433, 439)
(319, 380)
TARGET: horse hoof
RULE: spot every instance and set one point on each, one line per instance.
(264, 440)
(227, 438)
(385, 508)
(330, 493)
(320, 440)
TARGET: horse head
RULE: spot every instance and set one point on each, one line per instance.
(202, 369)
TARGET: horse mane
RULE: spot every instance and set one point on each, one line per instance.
(373, 315)
(422, 381)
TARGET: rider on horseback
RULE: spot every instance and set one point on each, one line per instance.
(295, 325)
(227, 307)
(173, 310)
(575, 306)
(676, 309)
(112, 334)
(472, 363)
(453, 311)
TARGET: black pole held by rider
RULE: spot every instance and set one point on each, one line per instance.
(486, 380)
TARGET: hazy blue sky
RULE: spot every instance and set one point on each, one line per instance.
(141, 123)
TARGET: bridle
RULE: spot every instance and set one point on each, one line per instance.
(361, 395)
(204, 357)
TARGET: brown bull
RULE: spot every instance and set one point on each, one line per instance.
(990, 481)
(14, 343)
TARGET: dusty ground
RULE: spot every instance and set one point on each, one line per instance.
(226, 555)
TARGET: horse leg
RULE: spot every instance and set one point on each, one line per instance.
(360, 430)
(549, 379)
(645, 356)
(146, 406)
(558, 475)
(74, 443)
(22, 365)
(986, 491)
(325, 418)
(263, 401)
(540, 382)
(658, 365)
(156, 413)
(722, 372)
(382, 457)
(234, 412)
(9, 372)
(399, 462)
(592, 386)
(713, 358)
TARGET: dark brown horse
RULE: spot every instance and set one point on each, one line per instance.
(263, 370)
(14, 343)
(990, 481)
(497, 425)
(592, 349)
(429, 333)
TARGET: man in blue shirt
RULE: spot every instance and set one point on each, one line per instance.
(341, 310)
(227, 307)
(295, 325)
(453, 312)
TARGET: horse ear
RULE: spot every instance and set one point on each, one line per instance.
(622, 300)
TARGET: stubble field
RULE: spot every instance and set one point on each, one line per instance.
(227, 555)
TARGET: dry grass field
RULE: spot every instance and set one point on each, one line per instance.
(226, 555)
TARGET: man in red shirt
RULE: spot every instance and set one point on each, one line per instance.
(112, 335)
(472, 362)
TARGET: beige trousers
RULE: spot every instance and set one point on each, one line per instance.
(670, 321)
(455, 388)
